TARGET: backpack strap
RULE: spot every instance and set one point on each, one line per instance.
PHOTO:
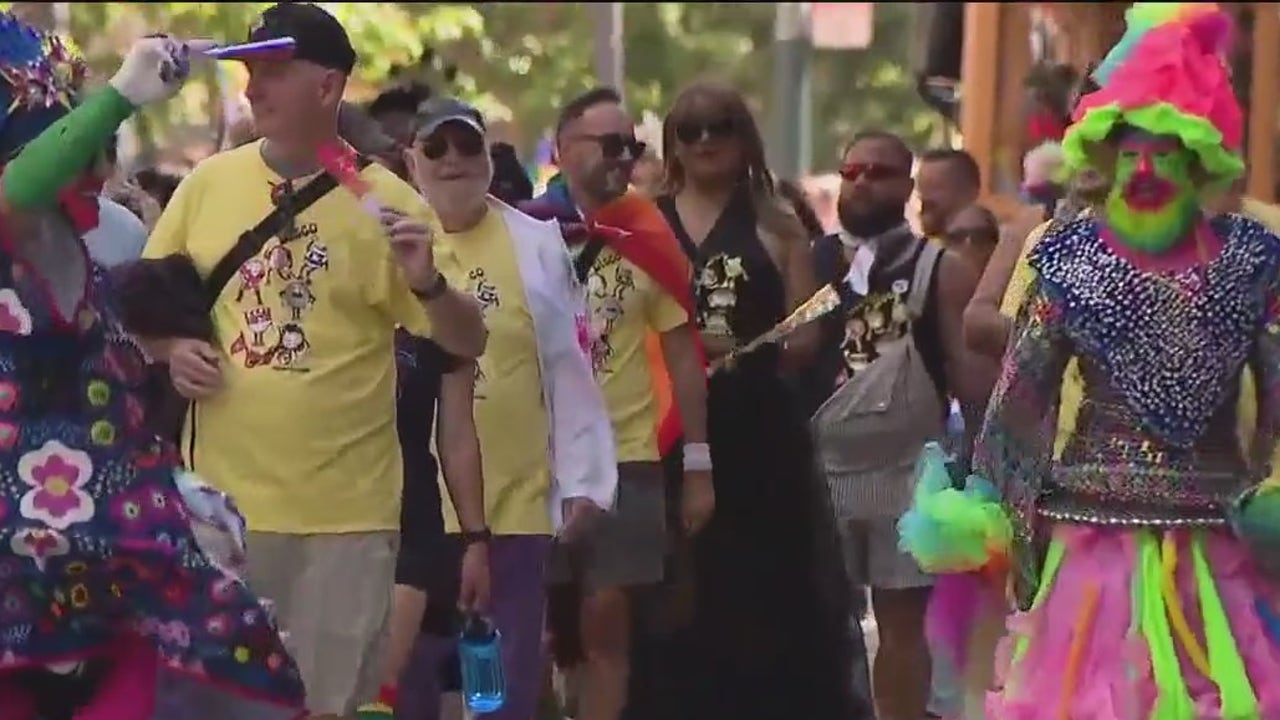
(918, 296)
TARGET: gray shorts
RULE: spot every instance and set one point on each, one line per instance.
(626, 547)
(872, 558)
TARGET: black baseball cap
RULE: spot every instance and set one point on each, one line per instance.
(318, 36)
(437, 111)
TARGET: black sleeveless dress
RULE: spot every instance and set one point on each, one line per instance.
(769, 634)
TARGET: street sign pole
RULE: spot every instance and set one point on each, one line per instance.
(610, 55)
(790, 148)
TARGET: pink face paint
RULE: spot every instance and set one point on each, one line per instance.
(1148, 192)
(1144, 189)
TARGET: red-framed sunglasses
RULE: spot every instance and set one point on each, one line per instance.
(871, 171)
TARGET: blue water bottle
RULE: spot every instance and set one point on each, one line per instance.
(484, 687)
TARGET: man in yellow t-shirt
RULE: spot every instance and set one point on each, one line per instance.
(1072, 383)
(629, 306)
(294, 412)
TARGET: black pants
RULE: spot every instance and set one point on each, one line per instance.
(658, 612)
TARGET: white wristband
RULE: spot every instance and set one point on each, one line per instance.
(697, 457)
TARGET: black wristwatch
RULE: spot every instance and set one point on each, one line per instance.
(475, 537)
(433, 291)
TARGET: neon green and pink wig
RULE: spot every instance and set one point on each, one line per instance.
(1167, 76)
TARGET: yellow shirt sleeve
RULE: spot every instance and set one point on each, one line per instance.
(662, 312)
(1265, 213)
(169, 236)
(1016, 291)
(391, 292)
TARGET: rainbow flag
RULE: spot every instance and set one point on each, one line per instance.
(543, 167)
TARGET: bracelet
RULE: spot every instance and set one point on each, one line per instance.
(697, 457)
(476, 537)
(434, 290)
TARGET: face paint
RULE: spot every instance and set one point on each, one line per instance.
(1153, 201)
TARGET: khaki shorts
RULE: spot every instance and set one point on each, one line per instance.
(332, 596)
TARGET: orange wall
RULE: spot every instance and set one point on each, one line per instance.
(996, 57)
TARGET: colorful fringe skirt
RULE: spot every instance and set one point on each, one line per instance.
(1143, 624)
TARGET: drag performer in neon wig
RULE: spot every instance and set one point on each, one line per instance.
(98, 561)
(1137, 559)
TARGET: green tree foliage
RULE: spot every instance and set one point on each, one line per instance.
(520, 61)
(533, 56)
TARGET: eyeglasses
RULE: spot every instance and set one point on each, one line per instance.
(468, 145)
(693, 131)
(614, 145)
(871, 171)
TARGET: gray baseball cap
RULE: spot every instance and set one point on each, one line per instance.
(437, 111)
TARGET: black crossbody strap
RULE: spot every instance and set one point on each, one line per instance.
(251, 242)
(585, 259)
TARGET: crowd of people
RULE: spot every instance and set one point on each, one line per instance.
(678, 423)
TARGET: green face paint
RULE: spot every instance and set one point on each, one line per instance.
(1153, 201)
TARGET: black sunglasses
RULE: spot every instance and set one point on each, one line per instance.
(613, 145)
(692, 131)
(436, 145)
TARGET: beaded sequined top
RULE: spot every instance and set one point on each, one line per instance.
(1161, 355)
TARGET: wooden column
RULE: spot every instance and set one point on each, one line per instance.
(1262, 107)
(1010, 140)
(979, 77)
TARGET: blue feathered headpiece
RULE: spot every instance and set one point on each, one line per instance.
(42, 77)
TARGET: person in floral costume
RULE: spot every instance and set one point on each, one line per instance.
(99, 565)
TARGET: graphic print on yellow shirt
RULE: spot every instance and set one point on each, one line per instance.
(485, 293)
(302, 433)
(287, 271)
(625, 304)
(510, 417)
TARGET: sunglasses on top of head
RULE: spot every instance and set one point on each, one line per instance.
(871, 171)
(692, 131)
(468, 145)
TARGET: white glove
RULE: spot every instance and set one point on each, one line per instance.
(155, 68)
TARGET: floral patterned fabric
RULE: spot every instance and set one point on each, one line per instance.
(95, 539)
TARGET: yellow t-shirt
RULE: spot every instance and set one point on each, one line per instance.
(1073, 384)
(625, 304)
(510, 417)
(303, 433)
